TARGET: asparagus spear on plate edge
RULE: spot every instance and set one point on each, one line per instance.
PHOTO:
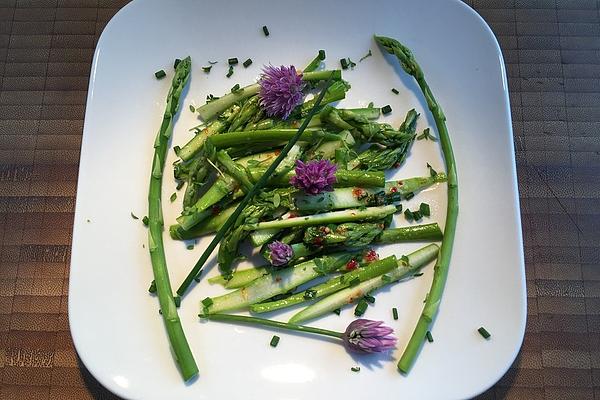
(432, 304)
(181, 350)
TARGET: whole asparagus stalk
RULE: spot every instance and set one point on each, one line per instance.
(416, 260)
(333, 285)
(432, 304)
(182, 353)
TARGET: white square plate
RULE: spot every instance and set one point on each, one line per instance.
(114, 321)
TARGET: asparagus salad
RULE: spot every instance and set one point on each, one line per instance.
(303, 182)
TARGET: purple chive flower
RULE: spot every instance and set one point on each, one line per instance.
(280, 253)
(366, 336)
(280, 90)
(314, 176)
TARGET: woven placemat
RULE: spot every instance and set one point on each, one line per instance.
(552, 54)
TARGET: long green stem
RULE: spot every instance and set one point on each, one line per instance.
(182, 353)
(270, 323)
(249, 196)
(431, 308)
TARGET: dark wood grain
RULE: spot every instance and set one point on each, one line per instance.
(552, 54)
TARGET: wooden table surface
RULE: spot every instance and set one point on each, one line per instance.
(552, 54)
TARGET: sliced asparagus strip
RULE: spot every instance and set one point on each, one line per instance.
(372, 270)
(350, 197)
(217, 106)
(333, 217)
(278, 282)
(416, 261)
(278, 135)
(240, 278)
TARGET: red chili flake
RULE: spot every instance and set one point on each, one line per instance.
(277, 151)
(394, 189)
(318, 241)
(358, 193)
(371, 256)
(215, 210)
(400, 183)
(292, 215)
(352, 264)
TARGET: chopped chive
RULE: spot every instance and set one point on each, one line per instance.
(483, 332)
(370, 299)
(265, 30)
(207, 302)
(417, 215)
(197, 277)
(235, 88)
(354, 281)
(232, 61)
(152, 288)
(321, 55)
(351, 63)
(337, 311)
(429, 337)
(425, 209)
(432, 171)
(355, 369)
(395, 313)
(409, 195)
(173, 197)
(177, 301)
(134, 216)
(207, 68)
(160, 74)
(344, 63)
(274, 341)
(369, 54)
(361, 307)
(408, 215)
(386, 278)
(145, 221)
(395, 91)
(160, 311)
(399, 208)
(190, 247)
(176, 63)
(192, 108)
(179, 185)
(418, 274)
(247, 63)
(404, 260)
(230, 71)
(310, 294)
(386, 109)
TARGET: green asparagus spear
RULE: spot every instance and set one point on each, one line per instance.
(349, 295)
(269, 137)
(333, 285)
(181, 350)
(431, 308)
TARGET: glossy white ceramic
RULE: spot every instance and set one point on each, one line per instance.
(115, 323)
